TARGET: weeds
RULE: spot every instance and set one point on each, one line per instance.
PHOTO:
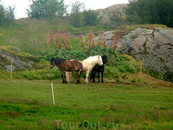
(81, 38)
(116, 37)
(67, 43)
(59, 38)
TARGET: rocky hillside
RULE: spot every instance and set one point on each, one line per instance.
(105, 12)
(112, 8)
(153, 46)
(20, 61)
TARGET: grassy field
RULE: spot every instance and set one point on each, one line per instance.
(27, 104)
(30, 35)
(124, 101)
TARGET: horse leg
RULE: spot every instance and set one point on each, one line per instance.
(78, 76)
(98, 77)
(87, 74)
(64, 77)
(71, 77)
(91, 74)
(65, 81)
(94, 74)
(102, 75)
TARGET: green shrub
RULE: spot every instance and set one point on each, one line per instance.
(42, 74)
(119, 65)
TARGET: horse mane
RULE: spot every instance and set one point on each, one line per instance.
(104, 57)
(92, 57)
(59, 60)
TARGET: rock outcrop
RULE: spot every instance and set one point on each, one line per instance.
(19, 63)
(153, 46)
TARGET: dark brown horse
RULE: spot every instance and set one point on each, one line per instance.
(69, 66)
(98, 68)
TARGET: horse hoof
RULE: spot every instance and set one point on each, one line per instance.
(78, 81)
(65, 82)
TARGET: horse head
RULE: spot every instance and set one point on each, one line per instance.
(100, 62)
(105, 60)
(52, 62)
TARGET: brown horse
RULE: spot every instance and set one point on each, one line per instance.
(69, 66)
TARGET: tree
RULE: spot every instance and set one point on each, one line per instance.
(7, 15)
(90, 17)
(76, 18)
(81, 17)
(46, 9)
(147, 11)
(117, 17)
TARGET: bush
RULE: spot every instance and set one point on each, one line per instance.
(42, 74)
(119, 65)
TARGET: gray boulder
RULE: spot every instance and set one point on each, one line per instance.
(19, 63)
(154, 47)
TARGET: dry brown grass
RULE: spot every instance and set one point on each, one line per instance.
(125, 29)
(145, 80)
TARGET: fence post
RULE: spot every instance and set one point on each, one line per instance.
(53, 94)
(141, 68)
(11, 68)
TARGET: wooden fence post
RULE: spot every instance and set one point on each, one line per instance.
(141, 68)
(53, 94)
(11, 68)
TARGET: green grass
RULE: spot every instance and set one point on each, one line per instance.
(30, 35)
(28, 105)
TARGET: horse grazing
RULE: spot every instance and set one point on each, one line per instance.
(89, 63)
(69, 66)
(98, 68)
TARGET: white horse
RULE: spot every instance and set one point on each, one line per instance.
(89, 63)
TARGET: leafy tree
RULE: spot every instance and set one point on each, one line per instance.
(7, 15)
(76, 18)
(46, 9)
(150, 11)
(117, 17)
(90, 17)
(81, 17)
